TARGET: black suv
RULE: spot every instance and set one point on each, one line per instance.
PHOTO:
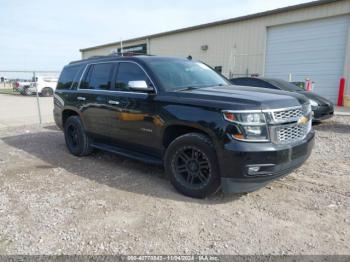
(182, 114)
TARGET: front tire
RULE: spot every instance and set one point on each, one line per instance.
(77, 141)
(191, 163)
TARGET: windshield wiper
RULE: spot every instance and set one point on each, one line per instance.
(189, 88)
(216, 85)
(197, 87)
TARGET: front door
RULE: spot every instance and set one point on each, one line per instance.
(134, 119)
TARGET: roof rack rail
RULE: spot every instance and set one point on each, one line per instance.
(91, 57)
(126, 54)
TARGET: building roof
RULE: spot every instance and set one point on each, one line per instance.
(221, 22)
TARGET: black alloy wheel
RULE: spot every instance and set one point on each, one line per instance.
(72, 136)
(192, 167)
(191, 164)
(77, 141)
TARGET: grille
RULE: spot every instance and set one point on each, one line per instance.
(291, 134)
(288, 133)
(288, 115)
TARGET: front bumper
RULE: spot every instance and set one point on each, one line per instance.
(275, 161)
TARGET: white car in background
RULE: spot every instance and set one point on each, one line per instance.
(44, 85)
(21, 85)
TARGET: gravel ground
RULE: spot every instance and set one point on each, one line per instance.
(54, 203)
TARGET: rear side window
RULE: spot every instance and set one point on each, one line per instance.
(129, 72)
(67, 77)
(98, 77)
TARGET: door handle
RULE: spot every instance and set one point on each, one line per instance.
(112, 102)
(81, 98)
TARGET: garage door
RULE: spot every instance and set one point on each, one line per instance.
(314, 49)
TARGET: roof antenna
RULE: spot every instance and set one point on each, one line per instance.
(121, 46)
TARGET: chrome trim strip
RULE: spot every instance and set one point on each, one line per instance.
(282, 109)
(243, 123)
(251, 141)
(241, 111)
(265, 110)
(117, 91)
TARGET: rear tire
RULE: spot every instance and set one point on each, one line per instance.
(46, 92)
(77, 141)
(191, 163)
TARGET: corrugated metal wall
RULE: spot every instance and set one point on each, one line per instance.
(239, 47)
(313, 49)
(106, 50)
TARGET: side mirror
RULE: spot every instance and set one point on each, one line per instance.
(140, 85)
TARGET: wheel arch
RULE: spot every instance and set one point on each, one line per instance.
(173, 131)
(68, 112)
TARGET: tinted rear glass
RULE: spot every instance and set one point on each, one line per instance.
(284, 85)
(99, 77)
(67, 77)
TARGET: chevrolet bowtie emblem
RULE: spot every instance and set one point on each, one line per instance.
(303, 120)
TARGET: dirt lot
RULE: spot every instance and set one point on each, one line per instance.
(52, 202)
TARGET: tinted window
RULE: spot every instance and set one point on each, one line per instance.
(284, 85)
(98, 77)
(129, 72)
(67, 76)
(252, 82)
(180, 74)
(240, 81)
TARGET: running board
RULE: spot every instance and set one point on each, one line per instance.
(129, 153)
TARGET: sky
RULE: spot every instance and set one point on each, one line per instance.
(46, 35)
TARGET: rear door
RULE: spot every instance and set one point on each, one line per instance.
(93, 98)
(134, 121)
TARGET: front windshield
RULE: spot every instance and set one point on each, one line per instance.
(284, 85)
(182, 74)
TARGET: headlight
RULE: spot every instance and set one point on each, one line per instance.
(313, 103)
(248, 126)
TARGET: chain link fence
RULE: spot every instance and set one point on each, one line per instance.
(9, 78)
(33, 83)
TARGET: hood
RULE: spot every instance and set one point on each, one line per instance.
(319, 99)
(248, 98)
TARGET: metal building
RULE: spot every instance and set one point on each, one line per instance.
(310, 40)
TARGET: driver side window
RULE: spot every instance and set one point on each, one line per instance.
(129, 72)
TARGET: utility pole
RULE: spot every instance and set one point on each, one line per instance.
(37, 99)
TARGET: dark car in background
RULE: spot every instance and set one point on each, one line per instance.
(322, 108)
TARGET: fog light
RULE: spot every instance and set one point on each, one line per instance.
(260, 169)
(253, 169)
